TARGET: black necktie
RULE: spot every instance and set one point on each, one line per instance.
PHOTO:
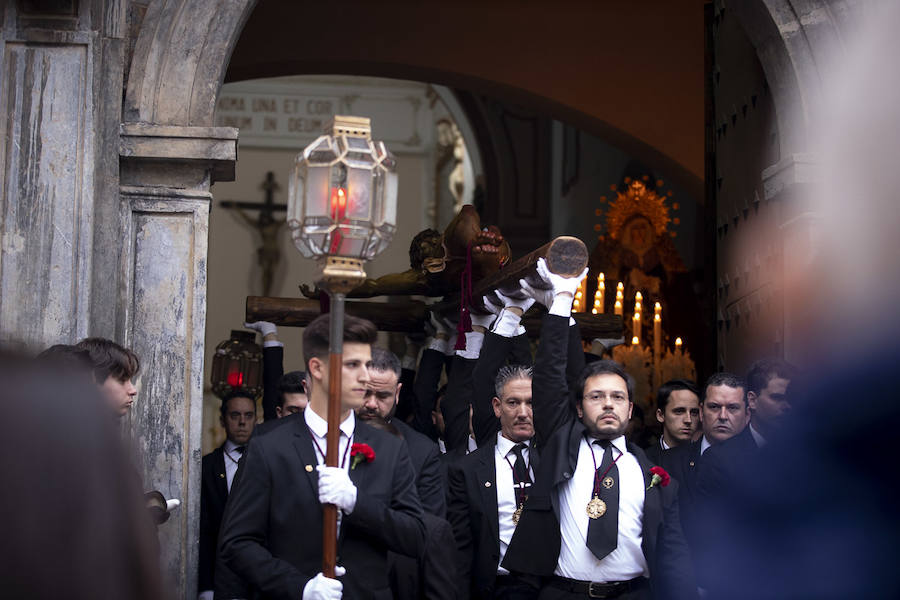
(240, 449)
(521, 477)
(603, 532)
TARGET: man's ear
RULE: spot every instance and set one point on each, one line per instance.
(579, 410)
(660, 416)
(630, 409)
(496, 404)
(317, 368)
(751, 400)
(278, 412)
(397, 394)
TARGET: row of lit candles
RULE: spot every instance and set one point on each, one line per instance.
(599, 308)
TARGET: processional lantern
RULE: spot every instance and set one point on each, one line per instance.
(237, 365)
(342, 211)
(342, 202)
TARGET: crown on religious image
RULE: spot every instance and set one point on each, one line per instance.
(637, 200)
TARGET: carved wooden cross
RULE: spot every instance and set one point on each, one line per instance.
(564, 255)
(268, 254)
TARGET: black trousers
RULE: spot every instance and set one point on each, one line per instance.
(509, 587)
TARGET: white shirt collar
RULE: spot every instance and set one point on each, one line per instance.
(505, 446)
(319, 426)
(704, 445)
(757, 437)
(231, 447)
(620, 444)
(663, 444)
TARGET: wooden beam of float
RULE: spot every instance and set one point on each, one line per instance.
(406, 316)
(565, 255)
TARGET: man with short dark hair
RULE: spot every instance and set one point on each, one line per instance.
(114, 368)
(272, 529)
(292, 396)
(382, 394)
(488, 489)
(678, 410)
(597, 521)
(767, 383)
(723, 415)
(237, 414)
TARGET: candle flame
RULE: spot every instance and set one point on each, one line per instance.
(635, 341)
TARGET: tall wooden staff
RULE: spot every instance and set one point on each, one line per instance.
(342, 214)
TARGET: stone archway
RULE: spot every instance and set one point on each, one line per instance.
(170, 155)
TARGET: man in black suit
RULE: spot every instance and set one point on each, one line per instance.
(678, 411)
(238, 417)
(724, 414)
(272, 530)
(382, 392)
(596, 521)
(487, 490)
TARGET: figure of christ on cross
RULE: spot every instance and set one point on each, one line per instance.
(268, 254)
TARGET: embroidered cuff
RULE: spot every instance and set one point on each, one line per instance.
(507, 324)
(474, 339)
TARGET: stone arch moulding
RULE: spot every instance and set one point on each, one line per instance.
(182, 51)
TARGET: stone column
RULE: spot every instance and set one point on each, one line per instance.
(166, 173)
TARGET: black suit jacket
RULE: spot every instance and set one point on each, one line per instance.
(683, 464)
(535, 546)
(213, 495)
(654, 452)
(273, 369)
(425, 457)
(272, 529)
(724, 462)
(472, 512)
(425, 389)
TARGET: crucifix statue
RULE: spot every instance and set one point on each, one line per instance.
(268, 254)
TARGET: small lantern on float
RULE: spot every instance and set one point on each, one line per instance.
(237, 365)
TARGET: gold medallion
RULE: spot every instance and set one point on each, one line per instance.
(517, 515)
(596, 508)
(608, 482)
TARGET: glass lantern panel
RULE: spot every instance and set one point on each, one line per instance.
(360, 160)
(316, 193)
(358, 143)
(359, 187)
(323, 151)
(390, 198)
(351, 246)
(377, 196)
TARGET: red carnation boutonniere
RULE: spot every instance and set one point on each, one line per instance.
(361, 453)
(660, 477)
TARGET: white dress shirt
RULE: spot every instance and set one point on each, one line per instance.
(232, 456)
(704, 445)
(506, 493)
(319, 428)
(627, 561)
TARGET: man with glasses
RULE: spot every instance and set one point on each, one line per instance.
(597, 523)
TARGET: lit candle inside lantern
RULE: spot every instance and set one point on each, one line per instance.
(635, 341)
(598, 295)
(338, 214)
(636, 325)
(617, 309)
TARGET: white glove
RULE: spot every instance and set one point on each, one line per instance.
(336, 488)
(509, 322)
(521, 303)
(325, 588)
(264, 327)
(485, 320)
(564, 289)
(172, 504)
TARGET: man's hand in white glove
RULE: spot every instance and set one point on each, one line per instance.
(523, 304)
(336, 488)
(484, 320)
(560, 284)
(264, 327)
(325, 588)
